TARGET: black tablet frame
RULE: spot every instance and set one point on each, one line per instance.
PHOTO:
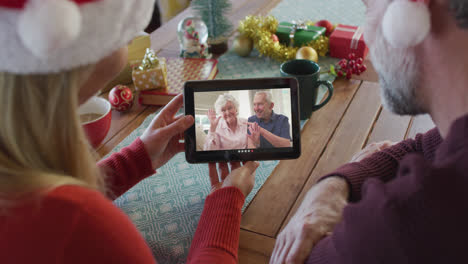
(194, 156)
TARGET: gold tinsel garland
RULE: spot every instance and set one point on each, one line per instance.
(260, 30)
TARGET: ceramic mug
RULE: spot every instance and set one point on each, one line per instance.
(97, 128)
(307, 74)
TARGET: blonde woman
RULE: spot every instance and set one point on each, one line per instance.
(55, 202)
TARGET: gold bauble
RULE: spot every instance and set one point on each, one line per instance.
(243, 45)
(307, 53)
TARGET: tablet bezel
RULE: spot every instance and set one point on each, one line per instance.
(194, 156)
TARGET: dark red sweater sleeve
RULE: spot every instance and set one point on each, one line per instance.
(384, 164)
(415, 218)
(365, 233)
(126, 168)
(216, 239)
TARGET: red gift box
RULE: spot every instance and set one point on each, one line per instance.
(347, 39)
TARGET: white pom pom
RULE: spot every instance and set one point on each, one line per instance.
(406, 23)
(46, 26)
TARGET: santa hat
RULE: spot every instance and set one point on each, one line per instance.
(406, 23)
(43, 36)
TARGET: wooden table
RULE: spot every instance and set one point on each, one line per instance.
(353, 118)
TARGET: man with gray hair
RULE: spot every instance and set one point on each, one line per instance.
(266, 128)
(407, 200)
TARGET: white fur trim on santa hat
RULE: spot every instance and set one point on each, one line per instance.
(46, 26)
(406, 23)
(106, 25)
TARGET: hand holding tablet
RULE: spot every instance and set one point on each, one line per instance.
(241, 120)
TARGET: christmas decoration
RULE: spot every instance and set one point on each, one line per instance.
(151, 73)
(298, 34)
(326, 24)
(41, 37)
(213, 13)
(406, 23)
(307, 53)
(260, 29)
(121, 98)
(348, 67)
(35, 32)
(347, 39)
(242, 45)
(136, 52)
(193, 34)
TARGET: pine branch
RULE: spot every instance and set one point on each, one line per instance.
(213, 13)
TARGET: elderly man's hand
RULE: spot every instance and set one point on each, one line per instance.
(254, 136)
(319, 212)
(371, 149)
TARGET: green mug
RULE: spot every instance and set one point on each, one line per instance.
(307, 74)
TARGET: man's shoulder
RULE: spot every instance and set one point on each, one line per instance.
(252, 118)
(281, 117)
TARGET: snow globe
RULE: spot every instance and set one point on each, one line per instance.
(193, 35)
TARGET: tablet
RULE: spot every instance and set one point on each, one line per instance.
(242, 120)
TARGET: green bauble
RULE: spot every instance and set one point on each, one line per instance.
(242, 46)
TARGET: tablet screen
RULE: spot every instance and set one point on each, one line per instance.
(243, 120)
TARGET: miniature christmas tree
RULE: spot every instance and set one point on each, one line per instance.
(213, 13)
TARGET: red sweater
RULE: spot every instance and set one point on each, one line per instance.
(72, 224)
(412, 208)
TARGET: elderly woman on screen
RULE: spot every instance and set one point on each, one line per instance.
(227, 131)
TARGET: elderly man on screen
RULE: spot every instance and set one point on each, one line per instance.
(407, 200)
(268, 129)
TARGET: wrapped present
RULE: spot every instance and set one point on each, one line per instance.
(136, 51)
(151, 73)
(297, 35)
(348, 39)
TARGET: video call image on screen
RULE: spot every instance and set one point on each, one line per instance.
(243, 120)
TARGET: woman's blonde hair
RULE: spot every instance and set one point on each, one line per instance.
(42, 143)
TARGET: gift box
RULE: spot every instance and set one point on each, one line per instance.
(303, 34)
(151, 73)
(136, 51)
(347, 39)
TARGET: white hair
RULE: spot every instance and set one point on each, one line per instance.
(222, 101)
(268, 96)
(398, 70)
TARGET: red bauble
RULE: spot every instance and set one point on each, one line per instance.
(326, 24)
(121, 98)
(274, 38)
